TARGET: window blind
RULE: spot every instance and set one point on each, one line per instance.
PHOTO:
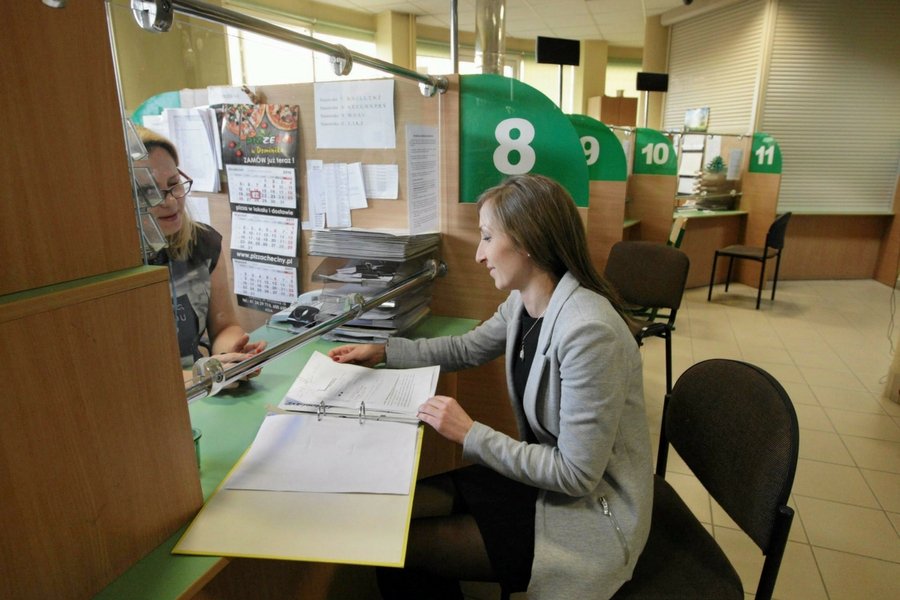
(832, 101)
(715, 60)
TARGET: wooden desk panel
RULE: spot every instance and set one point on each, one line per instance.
(98, 464)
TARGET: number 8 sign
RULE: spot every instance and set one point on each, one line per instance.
(509, 128)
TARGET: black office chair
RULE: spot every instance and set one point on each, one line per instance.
(772, 249)
(650, 277)
(735, 427)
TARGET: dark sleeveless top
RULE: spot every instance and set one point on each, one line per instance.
(191, 279)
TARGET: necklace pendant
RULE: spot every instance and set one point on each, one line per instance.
(522, 352)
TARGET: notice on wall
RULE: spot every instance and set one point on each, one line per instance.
(422, 179)
(259, 149)
(355, 114)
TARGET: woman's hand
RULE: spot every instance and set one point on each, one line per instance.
(243, 345)
(367, 355)
(447, 417)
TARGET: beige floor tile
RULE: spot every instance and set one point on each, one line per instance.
(757, 354)
(839, 378)
(833, 482)
(812, 417)
(895, 519)
(886, 487)
(889, 406)
(851, 577)
(854, 400)
(854, 529)
(880, 455)
(799, 392)
(799, 575)
(824, 446)
(822, 358)
(783, 373)
(879, 427)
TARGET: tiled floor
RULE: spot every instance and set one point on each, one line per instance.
(827, 343)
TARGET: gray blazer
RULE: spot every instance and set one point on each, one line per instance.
(584, 402)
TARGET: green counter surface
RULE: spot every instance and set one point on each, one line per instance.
(228, 424)
(702, 214)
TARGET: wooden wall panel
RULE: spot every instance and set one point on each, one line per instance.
(831, 247)
(702, 238)
(888, 265)
(97, 461)
(65, 186)
(606, 216)
(652, 200)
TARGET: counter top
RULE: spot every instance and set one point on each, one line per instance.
(229, 423)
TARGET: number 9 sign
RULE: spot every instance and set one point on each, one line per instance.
(510, 128)
(602, 150)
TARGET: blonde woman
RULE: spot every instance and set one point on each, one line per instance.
(205, 315)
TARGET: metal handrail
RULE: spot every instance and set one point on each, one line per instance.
(156, 15)
(210, 376)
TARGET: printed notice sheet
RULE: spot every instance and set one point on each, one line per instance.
(355, 114)
(299, 453)
(422, 178)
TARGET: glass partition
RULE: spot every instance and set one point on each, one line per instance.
(287, 149)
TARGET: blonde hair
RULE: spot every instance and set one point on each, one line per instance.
(181, 241)
(540, 217)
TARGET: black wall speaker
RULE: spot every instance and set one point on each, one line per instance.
(653, 82)
(557, 51)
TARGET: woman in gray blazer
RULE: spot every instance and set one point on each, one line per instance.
(564, 511)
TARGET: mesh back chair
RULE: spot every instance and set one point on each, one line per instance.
(772, 249)
(649, 277)
(735, 427)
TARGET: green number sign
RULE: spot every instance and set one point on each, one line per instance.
(765, 155)
(510, 128)
(654, 153)
(602, 150)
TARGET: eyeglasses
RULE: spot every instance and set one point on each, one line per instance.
(180, 189)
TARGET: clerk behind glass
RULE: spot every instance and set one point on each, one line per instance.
(205, 314)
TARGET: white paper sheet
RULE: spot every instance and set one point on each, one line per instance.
(355, 114)
(191, 136)
(422, 178)
(337, 201)
(382, 181)
(356, 189)
(298, 453)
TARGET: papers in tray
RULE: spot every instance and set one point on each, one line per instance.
(384, 244)
(329, 389)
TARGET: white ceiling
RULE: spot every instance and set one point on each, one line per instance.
(618, 22)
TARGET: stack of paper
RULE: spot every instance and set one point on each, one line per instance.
(383, 244)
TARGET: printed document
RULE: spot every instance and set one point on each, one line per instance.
(332, 388)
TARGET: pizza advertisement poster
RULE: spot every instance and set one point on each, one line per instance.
(265, 135)
(259, 151)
